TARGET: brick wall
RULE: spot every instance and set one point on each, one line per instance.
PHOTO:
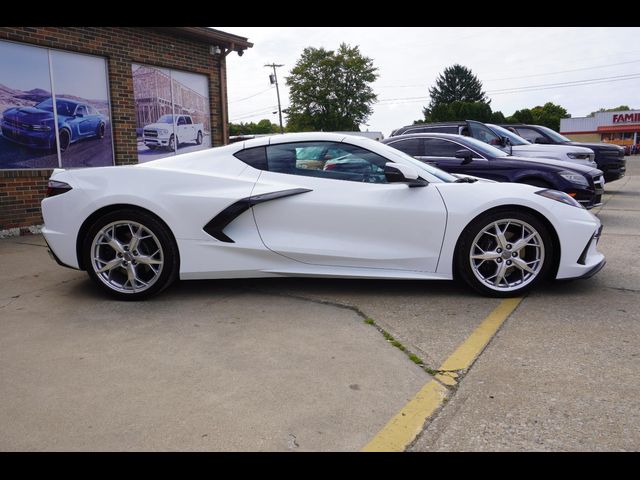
(21, 191)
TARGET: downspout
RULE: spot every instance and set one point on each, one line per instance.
(224, 115)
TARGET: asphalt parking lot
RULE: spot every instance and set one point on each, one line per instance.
(293, 365)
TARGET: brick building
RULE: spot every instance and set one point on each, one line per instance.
(71, 97)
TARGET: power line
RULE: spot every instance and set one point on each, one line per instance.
(560, 71)
(574, 82)
(250, 96)
(527, 88)
(255, 113)
(424, 85)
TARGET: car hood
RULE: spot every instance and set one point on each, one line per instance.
(597, 146)
(27, 114)
(166, 126)
(542, 148)
(559, 164)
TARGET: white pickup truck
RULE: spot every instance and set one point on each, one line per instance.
(172, 130)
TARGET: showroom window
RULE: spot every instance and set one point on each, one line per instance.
(172, 111)
(54, 109)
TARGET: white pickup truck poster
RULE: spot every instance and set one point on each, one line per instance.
(172, 112)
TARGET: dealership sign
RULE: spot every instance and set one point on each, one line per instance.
(626, 118)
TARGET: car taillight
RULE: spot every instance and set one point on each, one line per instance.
(55, 187)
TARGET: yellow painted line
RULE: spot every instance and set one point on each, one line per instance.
(466, 353)
(403, 428)
(407, 424)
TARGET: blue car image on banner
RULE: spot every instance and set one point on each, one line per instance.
(34, 126)
(34, 134)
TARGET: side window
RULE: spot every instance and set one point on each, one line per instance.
(188, 120)
(436, 147)
(482, 133)
(331, 160)
(256, 157)
(81, 110)
(181, 121)
(411, 146)
(449, 129)
(528, 134)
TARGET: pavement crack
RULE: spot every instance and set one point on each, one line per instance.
(367, 319)
(622, 289)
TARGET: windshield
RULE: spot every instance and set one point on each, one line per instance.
(436, 172)
(63, 108)
(484, 149)
(503, 132)
(166, 119)
(553, 134)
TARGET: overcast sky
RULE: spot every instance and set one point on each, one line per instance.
(505, 59)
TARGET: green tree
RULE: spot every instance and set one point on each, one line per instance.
(621, 108)
(330, 90)
(262, 127)
(455, 84)
(548, 115)
(458, 110)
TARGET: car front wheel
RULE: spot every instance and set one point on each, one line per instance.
(131, 254)
(504, 253)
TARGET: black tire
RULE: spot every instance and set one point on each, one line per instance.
(65, 139)
(199, 138)
(172, 144)
(100, 130)
(152, 147)
(163, 237)
(471, 237)
(536, 182)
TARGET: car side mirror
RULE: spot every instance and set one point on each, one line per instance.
(465, 155)
(398, 173)
(541, 140)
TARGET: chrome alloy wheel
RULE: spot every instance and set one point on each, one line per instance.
(507, 254)
(127, 257)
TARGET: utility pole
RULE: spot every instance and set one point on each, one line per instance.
(274, 79)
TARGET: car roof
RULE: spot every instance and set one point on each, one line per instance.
(453, 136)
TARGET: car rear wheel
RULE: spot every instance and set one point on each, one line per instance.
(131, 254)
(199, 138)
(100, 130)
(504, 253)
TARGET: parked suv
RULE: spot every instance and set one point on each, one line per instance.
(610, 158)
(459, 154)
(505, 140)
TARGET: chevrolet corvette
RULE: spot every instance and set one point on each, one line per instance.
(311, 205)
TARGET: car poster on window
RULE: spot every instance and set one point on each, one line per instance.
(54, 109)
(172, 112)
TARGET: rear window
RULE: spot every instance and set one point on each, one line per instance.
(256, 157)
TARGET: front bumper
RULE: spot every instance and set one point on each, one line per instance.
(579, 256)
(614, 167)
(28, 138)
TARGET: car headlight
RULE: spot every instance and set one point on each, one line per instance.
(40, 128)
(162, 131)
(578, 156)
(574, 177)
(559, 197)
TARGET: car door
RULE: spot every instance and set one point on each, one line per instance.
(441, 152)
(183, 133)
(345, 213)
(84, 122)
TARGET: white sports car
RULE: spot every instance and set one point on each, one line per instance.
(311, 204)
